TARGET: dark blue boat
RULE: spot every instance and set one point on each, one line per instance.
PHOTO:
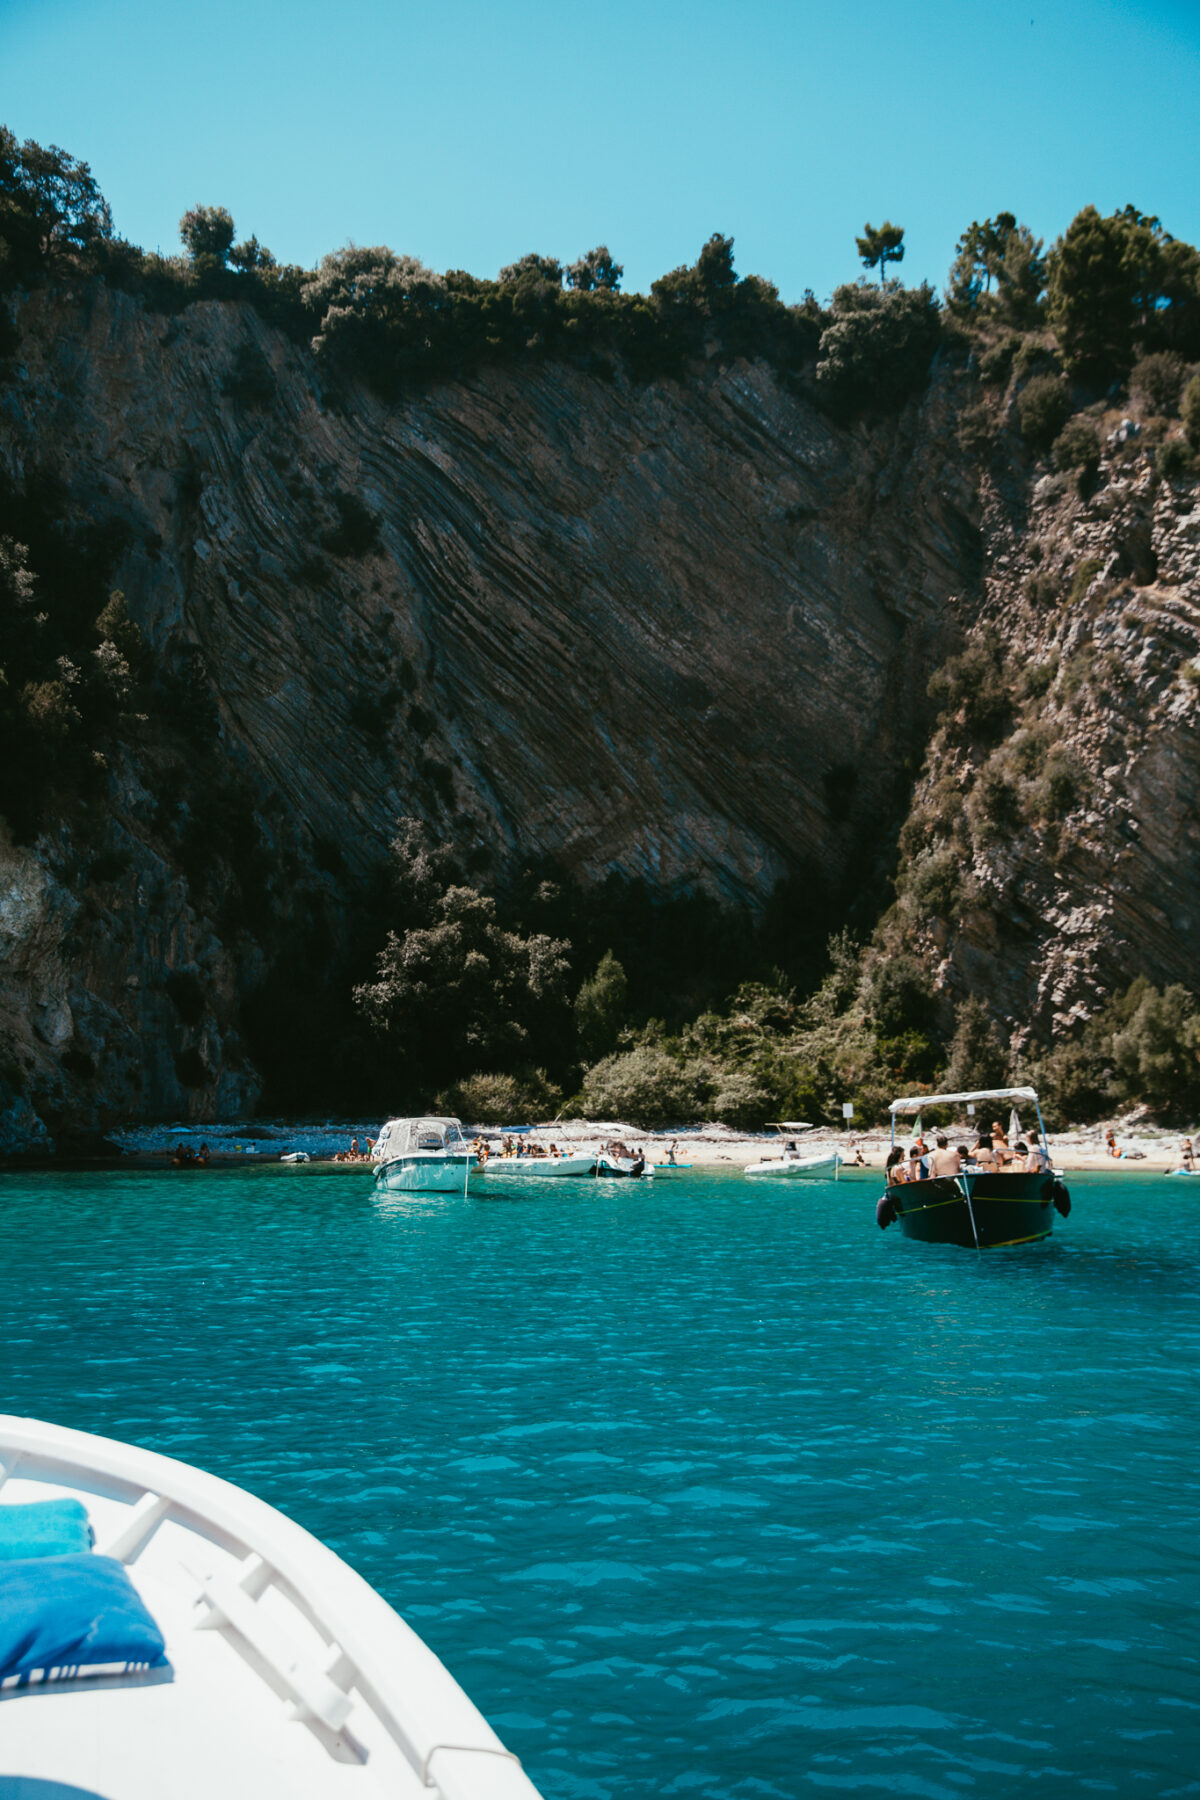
(979, 1208)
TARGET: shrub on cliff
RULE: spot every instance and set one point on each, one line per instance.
(1190, 411)
(50, 207)
(1043, 409)
(1119, 284)
(1077, 446)
(1156, 382)
(978, 1058)
(879, 344)
(972, 691)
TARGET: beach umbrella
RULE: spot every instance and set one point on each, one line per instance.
(917, 1130)
(1014, 1126)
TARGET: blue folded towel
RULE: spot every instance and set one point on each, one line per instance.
(44, 1528)
(62, 1616)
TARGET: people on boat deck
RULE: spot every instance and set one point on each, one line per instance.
(984, 1155)
(893, 1168)
(944, 1161)
(1036, 1160)
(918, 1168)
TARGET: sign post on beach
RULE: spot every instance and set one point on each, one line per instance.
(847, 1109)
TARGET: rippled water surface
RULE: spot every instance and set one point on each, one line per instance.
(697, 1486)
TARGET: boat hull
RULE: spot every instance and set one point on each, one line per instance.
(536, 1168)
(1008, 1209)
(424, 1175)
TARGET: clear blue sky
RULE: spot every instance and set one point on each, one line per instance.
(470, 131)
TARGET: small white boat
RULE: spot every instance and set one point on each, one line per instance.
(541, 1168)
(423, 1156)
(285, 1673)
(792, 1164)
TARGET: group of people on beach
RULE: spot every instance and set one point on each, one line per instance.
(512, 1147)
(355, 1153)
(187, 1156)
(990, 1153)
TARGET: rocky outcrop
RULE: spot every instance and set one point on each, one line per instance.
(1095, 601)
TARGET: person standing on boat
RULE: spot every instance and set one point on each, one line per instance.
(944, 1161)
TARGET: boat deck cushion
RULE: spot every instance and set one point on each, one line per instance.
(66, 1616)
(44, 1528)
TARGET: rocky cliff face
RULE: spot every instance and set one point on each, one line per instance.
(1068, 891)
(679, 630)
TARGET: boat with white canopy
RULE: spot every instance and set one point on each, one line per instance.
(423, 1156)
(985, 1200)
(230, 1654)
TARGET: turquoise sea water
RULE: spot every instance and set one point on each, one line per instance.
(699, 1487)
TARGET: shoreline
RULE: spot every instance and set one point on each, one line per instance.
(1080, 1151)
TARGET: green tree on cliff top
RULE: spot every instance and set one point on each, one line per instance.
(881, 245)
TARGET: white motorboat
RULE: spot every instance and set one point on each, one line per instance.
(285, 1673)
(540, 1168)
(617, 1161)
(792, 1163)
(423, 1156)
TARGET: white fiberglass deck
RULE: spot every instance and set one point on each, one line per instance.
(290, 1677)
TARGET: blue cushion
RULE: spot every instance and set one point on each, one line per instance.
(62, 1616)
(44, 1528)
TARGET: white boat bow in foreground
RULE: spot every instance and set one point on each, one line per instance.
(289, 1677)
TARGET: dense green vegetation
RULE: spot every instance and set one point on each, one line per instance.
(541, 995)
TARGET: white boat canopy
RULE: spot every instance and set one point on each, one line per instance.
(791, 1125)
(407, 1137)
(922, 1100)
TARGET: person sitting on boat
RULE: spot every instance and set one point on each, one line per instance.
(1036, 1160)
(639, 1162)
(893, 1169)
(984, 1155)
(944, 1161)
(918, 1168)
